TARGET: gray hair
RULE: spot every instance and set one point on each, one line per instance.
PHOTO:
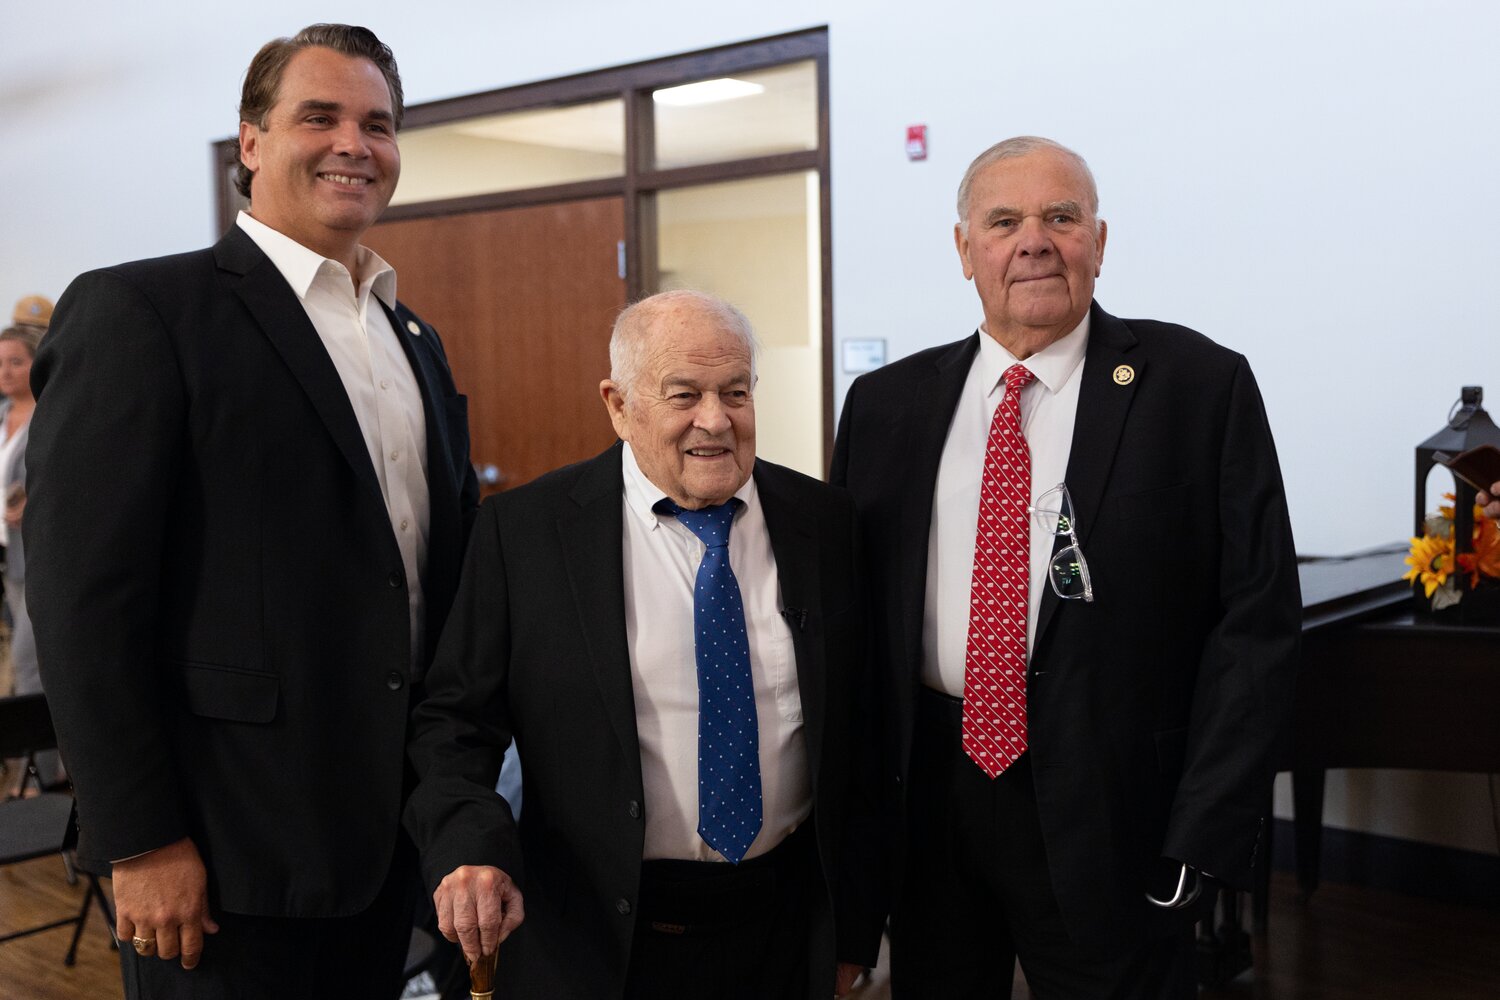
(1013, 148)
(627, 342)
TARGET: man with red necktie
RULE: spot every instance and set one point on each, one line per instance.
(1084, 589)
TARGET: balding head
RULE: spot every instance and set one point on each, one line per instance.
(660, 314)
(1012, 148)
(682, 372)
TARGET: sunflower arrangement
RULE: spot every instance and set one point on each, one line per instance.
(1438, 570)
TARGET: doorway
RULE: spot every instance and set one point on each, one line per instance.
(525, 322)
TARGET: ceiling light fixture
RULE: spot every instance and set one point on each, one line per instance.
(706, 92)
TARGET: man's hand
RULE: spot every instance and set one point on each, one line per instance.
(1490, 500)
(478, 907)
(843, 982)
(163, 896)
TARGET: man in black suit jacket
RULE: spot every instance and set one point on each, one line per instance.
(249, 501)
(574, 632)
(1160, 660)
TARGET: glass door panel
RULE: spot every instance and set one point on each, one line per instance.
(756, 243)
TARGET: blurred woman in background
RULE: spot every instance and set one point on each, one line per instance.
(17, 349)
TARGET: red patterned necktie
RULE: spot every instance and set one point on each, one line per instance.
(995, 655)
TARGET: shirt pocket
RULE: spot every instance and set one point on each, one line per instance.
(783, 662)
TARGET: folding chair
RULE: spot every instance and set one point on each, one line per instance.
(41, 825)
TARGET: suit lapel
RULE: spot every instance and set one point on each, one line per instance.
(274, 306)
(442, 484)
(1103, 406)
(592, 539)
(933, 403)
(794, 544)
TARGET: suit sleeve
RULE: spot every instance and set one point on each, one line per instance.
(462, 727)
(468, 487)
(862, 901)
(468, 497)
(105, 456)
(838, 467)
(1243, 694)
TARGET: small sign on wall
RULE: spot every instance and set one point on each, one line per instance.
(863, 356)
(916, 142)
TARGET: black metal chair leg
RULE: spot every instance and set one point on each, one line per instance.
(83, 919)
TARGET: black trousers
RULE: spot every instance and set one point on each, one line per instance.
(978, 891)
(732, 932)
(292, 958)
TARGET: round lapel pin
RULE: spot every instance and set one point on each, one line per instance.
(416, 330)
(1124, 375)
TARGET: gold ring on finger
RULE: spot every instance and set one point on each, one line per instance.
(144, 946)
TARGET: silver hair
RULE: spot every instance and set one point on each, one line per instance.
(1009, 149)
(627, 342)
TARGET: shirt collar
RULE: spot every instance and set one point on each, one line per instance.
(301, 266)
(641, 494)
(1053, 365)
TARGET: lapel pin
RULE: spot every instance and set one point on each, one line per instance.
(416, 331)
(1124, 375)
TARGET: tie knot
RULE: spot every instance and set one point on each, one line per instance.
(1017, 377)
(710, 524)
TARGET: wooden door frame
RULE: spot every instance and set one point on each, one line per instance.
(633, 84)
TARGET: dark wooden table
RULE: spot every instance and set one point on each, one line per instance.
(1381, 688)
(1377, 688)
(1393, 692)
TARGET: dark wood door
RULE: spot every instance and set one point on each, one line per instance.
(524, 299)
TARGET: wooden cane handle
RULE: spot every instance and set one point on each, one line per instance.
(482, 976)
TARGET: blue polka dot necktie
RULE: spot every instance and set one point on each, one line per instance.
(729, 804)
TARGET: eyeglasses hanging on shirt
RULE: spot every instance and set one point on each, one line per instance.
(1068, 571)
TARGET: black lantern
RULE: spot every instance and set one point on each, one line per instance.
(1469, 426)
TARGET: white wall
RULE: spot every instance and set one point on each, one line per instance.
(749, 241)
(1310, 183)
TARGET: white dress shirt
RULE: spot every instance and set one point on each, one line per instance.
(378, 379)
(7, 453)
(661, 567)
(1048, 408)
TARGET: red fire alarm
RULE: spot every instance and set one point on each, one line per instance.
(916, 142)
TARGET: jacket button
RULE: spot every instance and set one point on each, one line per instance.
(634, 809)
(394, 681)
(396, 579)
(623, 905)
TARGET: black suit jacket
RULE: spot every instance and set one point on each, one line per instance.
(536, 650)
(219, 600)
(1152, 710)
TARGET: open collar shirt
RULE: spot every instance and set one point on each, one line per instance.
(349, 314)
